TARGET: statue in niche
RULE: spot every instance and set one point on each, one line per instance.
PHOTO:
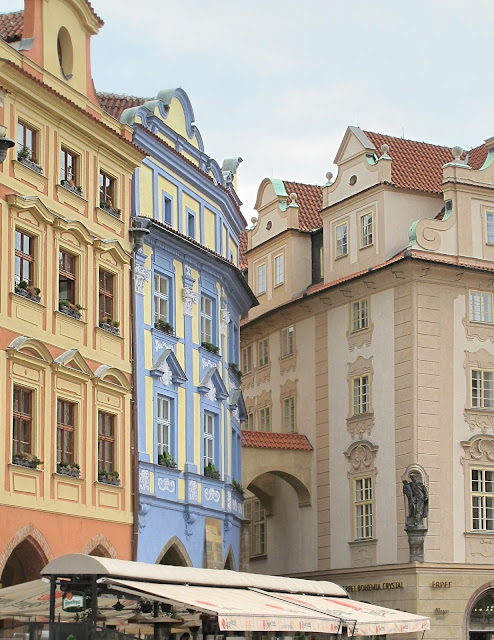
(417, 497)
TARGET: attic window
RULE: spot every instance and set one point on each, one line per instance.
(65, 53)
(353, 180)
(269, 225)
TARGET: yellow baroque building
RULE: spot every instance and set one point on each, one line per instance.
(65, 334)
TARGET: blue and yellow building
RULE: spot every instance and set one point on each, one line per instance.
(189, 296)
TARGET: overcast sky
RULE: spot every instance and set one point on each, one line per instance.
(278, 81)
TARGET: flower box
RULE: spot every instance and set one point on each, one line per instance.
(26, 290)
(26, 460)
(69, 311)
(67, 185)
(210, 471)
(29, 163)
(109, 477)
(68, 469)
(212, 348)
(166, 327)
(165, 460)
(116, 213)
(111, 328)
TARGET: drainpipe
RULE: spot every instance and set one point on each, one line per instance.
(138, 232)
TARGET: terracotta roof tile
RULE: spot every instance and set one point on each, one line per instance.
(263, 440)
(309, 200)
(115, 104)
(11, 25)
(418, 165)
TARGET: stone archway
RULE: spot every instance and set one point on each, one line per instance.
(230, 560)
(174, 553)
(24, 557)
(100, 547)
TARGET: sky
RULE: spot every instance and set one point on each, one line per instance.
(278, 81)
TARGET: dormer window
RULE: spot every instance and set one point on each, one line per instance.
(341, 240)
(366, 230)
(261, 279)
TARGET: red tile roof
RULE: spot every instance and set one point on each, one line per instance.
(11, 25)
(309, 200)
(242, 249)
(115, 104)
(418, 165)
(264, 440)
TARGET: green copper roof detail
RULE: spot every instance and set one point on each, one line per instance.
(279, 187)
(488, 160)
(412, 232)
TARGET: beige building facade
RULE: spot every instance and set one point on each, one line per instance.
(369, 361)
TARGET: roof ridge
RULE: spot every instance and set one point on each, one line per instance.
(11, 13)
(429, 144)
(121, 95)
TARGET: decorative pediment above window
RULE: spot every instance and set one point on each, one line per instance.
(168, 368)
(76, 228)
(113, 246)
(361, 456)
(112, 376)
(34, 349)
(212, 386)
(479, 448)
(73, 361)
(33, 205)
(237, 405)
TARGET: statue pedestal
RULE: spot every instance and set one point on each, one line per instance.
(416, 536)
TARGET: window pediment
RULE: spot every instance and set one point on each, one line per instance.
(111, 376)
(213, 386)
(73, 362)
(237, 405)
(168, 368)
(31, 348)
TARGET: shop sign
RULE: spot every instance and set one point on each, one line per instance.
(375, 586)
(441, 585)
(74, 601)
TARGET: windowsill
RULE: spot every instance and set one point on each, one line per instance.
(260, 293)
(17, 467)
(356, 331)
(72, 191)
(264, 366)
(280, 284)
(76, 479)
(481, 323)
(261, 556)
(210, 353)
(69, 317)
(367, 246)
(105, 217)
(363, 541)
(345, 255)
(18, 296)
(117, 336)
(478, 533)
(359, 416)
(117, 487)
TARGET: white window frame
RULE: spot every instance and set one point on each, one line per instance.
(208, 438)
(265, 419)
(261, 279)
(366, 229)
(163, 422)
(289, 414)
(363, 508)
(161, 298)
(480, 306)
(482, 500)
(254, 512)
(489, 227)
(248, 425)
(341, 246)
(207, 319)
(360, 314)
(247, 359)
(361, 394)
(279, 270)
(263, 353)
(482, 389)
(287, 341)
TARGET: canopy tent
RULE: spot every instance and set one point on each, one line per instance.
(241, 601)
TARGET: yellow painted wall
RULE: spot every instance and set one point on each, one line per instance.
(210, 229)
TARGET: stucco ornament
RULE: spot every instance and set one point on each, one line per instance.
(144, 480)
(361, 457)
(143, 510)
(211, 394)
(165, 484)
(189, 518)
(190, 298)
(167, 376)
(224, 320)
(480, 449)
(479, 421)
(229, 500)
(159, 344)
(141, 276)
(208, 363)
(236, 414)
(192, 489)
(187, 271)
(212, 494)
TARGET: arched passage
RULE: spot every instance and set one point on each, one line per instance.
(174, 553)
(230, 560)
(25, 563)
(100, 547)
(479, 622)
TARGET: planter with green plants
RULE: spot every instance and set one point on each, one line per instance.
(210, 471)
(24, 155)
(70, 309)
(234, 368)
(164, 326)
(109, 477)
(108, 324)
(238, 487)
(165, 459)
(107, 206)
(66, 468)
(29, 291)
(209, 346)
(69, 184)
(24, 459)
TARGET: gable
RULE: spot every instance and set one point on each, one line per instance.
(168, 368)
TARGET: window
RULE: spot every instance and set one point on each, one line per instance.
(163, 424)
(279, 270)
(480, 306)
(191, 225)
(22, 421)
(489, 216)
(68, 166)
(206, 319)
(289, 414)
(65, 431)
(265, 419)
(321, 262)
(105, 294)
(26, 142)
(341, 233)
(257, 516)
(261, 279)
(482, 389)
(161, 299)
(363, 508)
(167, 209)
(262, 353)
(106, 441)
(287, 342)
(106, 189)
(482, 500)
(66, 276)
(208, 439)
(248, 425)
(247, 359)
(24, 257)
(360, 314)
(366, 230)
(361, 395)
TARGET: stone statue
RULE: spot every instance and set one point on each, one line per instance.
(417, 497)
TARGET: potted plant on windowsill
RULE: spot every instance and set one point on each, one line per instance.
(29, 291)
(164, 326)
(237, 486)
(109, 477)
(235, 369)
(69, 469)
(210, 471)
(165, 459)
(209, 346)
(69, 184)
(70, 309)
(24, 459)
(24, 155)
(107, 206)
(108, 324)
